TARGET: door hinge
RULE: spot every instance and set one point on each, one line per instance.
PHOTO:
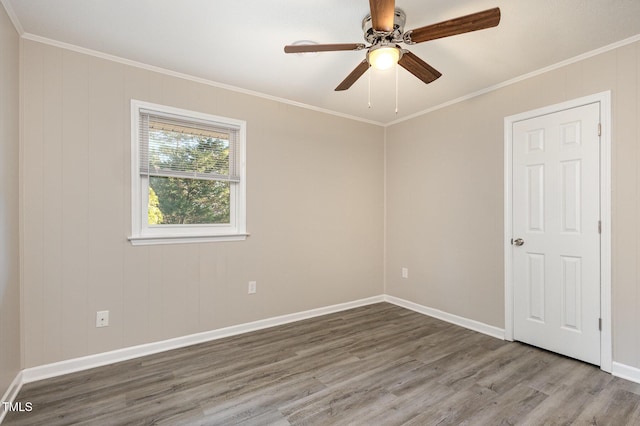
(600, 324)
(599, 227)
(599, 129)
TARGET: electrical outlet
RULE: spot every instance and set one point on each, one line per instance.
(102, 318)
(252, 287)
(405, 272)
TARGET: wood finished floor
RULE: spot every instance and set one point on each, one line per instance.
(374, 365)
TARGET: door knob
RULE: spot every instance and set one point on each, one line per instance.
(517, 242)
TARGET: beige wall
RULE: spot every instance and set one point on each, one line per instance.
(314, 196)
(444, 208)
(315, 216)
(9, 243)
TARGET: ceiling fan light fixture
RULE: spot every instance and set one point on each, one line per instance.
(384, 31)
(383, 57)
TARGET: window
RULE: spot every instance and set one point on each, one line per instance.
(188, 180)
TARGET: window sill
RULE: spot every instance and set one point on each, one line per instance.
(185, 239)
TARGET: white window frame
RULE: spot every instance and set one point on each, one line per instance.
(144, 234)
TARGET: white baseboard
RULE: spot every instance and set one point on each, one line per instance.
(91, 361)
(11, 393)
(444, 316)
(626, 372)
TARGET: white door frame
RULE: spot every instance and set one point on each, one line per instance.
(604, 98)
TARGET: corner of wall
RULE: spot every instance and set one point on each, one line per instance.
(9, 211)
(384, 209)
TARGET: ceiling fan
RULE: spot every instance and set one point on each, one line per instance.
(384, 29)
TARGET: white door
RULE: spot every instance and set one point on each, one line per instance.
(556, 238)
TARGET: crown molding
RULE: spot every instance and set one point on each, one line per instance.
(523, 77)
(12, 16)
(160, 70)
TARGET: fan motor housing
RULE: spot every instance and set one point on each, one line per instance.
(374, 37)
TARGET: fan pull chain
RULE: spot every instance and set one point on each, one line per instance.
(396, 89)
(369, 91)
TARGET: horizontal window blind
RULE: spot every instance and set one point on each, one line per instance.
(184, 147)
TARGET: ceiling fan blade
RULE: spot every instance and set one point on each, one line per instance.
(308, 48)
(382, 14)
(418, 67)
(464, 24)
(354, 76)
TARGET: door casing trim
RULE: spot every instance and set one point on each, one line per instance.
(604, 98)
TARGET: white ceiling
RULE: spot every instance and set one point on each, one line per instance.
(240, 43)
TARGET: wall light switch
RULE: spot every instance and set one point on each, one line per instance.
(405, 272)
(252, 287)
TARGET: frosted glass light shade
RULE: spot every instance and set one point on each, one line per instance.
(383, 58)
